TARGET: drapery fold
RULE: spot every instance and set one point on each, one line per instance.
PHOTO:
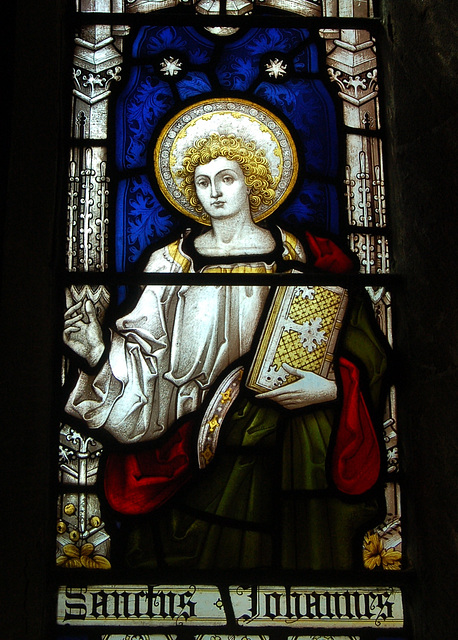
(137, 483)
(356, 454)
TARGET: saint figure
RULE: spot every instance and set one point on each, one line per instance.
(276, 493)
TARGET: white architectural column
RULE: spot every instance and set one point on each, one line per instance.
(352, 66)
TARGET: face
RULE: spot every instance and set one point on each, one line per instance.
(221, 189)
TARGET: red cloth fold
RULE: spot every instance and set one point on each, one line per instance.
(328, 256)
(356, 455)
(137, 483)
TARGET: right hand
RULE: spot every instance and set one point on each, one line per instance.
(82, 330)
(308, 389)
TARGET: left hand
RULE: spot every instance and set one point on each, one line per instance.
(309, 389)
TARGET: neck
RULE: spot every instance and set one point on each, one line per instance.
(238, 235)
(232, 231)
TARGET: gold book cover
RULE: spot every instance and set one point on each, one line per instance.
(301, 330)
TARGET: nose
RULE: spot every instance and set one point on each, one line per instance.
(215, 189)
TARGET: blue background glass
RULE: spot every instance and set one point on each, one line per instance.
(221, 66)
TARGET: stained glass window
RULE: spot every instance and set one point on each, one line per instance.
(228, 451)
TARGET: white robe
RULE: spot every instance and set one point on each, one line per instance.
(169, 350)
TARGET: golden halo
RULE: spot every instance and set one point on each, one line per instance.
(244, 119)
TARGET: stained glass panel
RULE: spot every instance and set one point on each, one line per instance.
(229, 401)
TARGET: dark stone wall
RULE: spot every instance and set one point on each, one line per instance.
(420, 56)
(419, 53)
(30, 360)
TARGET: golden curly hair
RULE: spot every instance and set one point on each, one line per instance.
(252, 161)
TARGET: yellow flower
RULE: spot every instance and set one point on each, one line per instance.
(75, 558)
(71, 559)
(375, 555)
(391, 560)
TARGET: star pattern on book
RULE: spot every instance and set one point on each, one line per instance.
(312, 334)
(305, 292)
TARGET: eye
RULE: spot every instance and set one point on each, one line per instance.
(228, 179)
(202, 183)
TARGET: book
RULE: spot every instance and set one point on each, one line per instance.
(301, 330)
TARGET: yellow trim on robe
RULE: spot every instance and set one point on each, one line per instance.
(242, 268)
(178, 257)
(293, 249)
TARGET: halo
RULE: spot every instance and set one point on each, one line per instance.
(239, 117)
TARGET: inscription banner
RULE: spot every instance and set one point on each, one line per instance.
(144, 605)
(192, 605)
(318, 606)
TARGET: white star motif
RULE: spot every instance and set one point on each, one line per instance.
(276, 68)
(312, 335)
(171, 67)
(305, 292)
